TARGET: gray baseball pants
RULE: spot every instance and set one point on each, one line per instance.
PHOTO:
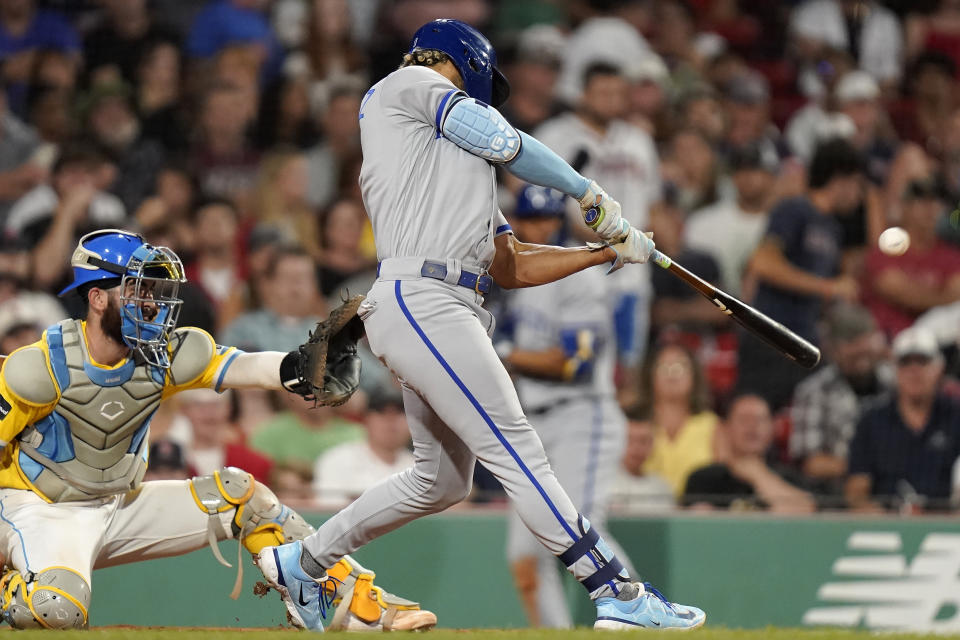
(461, 406)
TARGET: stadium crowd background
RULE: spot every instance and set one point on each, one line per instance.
(228, 131)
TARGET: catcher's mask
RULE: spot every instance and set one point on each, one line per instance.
(150, 279)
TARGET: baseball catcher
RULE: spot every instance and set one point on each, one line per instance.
(75, 411)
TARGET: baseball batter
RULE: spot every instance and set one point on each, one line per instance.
(75, 411)
(562, 354)
(431, 138)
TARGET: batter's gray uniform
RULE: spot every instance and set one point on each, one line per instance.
(624, 160)
(429, 200)
(580, 422)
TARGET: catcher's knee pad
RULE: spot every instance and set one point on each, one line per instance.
(55, 598)
(369, 606)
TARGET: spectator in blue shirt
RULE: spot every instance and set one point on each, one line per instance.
(24, 31)
(905, 449)
(225, 23)
(797, 265)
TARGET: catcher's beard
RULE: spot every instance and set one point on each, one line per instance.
(111, 321)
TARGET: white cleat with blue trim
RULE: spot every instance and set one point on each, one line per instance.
(306, 600)
(648, 610)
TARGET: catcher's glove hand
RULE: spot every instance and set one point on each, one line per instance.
(326, 368)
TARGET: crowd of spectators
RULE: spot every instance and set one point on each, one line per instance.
(767, 145)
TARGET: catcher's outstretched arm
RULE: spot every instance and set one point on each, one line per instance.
(258, 370)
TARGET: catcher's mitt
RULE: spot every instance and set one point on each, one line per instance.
(326, 368)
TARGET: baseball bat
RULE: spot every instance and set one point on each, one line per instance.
(767, 329)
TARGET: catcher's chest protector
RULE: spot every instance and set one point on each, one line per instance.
(95, 442)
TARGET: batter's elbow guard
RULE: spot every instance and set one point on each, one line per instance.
(481, 130)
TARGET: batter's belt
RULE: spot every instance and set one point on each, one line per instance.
(451, 271)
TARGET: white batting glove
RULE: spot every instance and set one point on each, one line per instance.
(637, 247)
(602, 214)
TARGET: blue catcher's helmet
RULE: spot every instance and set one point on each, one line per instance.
(539, 202)
(149, 279)
(472, 55)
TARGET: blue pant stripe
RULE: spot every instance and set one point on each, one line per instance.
(23, 545)
(483, 414)
(593, 454)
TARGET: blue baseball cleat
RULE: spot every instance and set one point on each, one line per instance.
(648, 610)
(306, 600)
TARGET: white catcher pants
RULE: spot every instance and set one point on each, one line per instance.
(461, 406)
(158, 520)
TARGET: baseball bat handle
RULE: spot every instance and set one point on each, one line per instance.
(767, 329)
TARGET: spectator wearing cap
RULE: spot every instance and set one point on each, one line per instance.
(797, 266)
(18, 304)
(596, 140)
(52, 217)
(26, 30)
(746, 105)
(904, 450)
(897, 289)
(602, 37)
(827, 405)
(742, 477)
(217, 441)
(730, 229)
(851, 111)
(235, 23)
(857, 96)
(167, 462)
(345, 471)
(869, 32)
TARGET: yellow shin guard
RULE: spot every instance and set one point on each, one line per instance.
(370, 607)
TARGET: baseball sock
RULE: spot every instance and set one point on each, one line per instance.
(310, 566)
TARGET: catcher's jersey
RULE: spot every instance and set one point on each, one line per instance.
(555, 315)
(77, 428)
(623, 161)
(426, 197)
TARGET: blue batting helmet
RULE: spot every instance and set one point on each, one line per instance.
(539, 202)
(472, 55)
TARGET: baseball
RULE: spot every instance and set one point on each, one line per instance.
(894, 241)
